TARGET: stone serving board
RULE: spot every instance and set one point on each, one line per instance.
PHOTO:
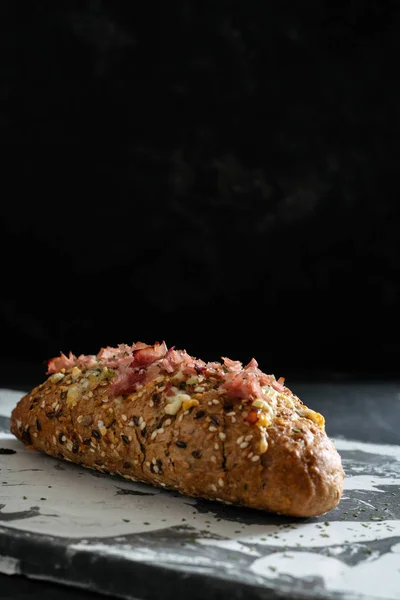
(61, 522)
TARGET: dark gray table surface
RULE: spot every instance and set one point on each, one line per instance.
(368, 411)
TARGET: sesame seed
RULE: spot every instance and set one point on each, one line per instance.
(103, 454)
(248, 438)
(125, 439)
(181, 444)
(155, 469)
(140, 420)
(79, 419)
(233, 419)
(63, 439)
(230, 414)
(212, 428)
(209, 403)
(221, 482)
(151, 403)
(154, 461)
(213, 459)
(153, 435)
(215, 401)
(167, 422)
(148, 464)
(213, 487)
(222, 436)
(142, 425)
(240, 439)
(250, 454)
(90, 394)
(255, 458)
(124, 417)
(100, 424)
(216, 447)
(54, 440)
(160, 430)
(244, 445)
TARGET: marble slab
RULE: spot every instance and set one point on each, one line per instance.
(61, 522)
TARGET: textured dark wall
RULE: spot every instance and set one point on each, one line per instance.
(223, 175)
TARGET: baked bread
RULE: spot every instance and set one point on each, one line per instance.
(219, 431)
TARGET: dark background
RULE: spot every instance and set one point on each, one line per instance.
(221, 175)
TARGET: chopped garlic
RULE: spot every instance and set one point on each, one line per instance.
(270, 392)
(74, 394)
(56, 377)
(76, 373)
(175, 403)
(312, 415)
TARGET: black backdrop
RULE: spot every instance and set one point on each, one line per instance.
(221, 175)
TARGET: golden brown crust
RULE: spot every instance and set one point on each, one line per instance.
(207, 448)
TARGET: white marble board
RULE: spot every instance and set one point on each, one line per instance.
(59, 521)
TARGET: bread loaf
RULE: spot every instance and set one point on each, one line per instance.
(219, 431)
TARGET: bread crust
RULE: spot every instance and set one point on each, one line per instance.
(207, 448)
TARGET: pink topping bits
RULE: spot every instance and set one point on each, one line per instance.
(67, 362)
(141, 363)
